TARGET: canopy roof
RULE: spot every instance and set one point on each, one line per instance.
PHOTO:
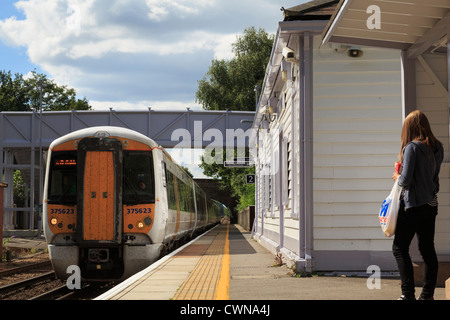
(413, 25)
(312, 10)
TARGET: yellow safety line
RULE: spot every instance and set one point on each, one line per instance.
(223, 287)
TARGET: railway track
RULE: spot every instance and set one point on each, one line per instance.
(23, 289)
(59, 293)
(20, 269)
(47, 287)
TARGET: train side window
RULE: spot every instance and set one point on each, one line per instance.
(138, 177)
(170, 187)
(63, 178)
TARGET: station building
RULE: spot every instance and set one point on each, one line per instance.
(328, 124)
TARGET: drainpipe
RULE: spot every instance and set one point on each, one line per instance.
(305, 128)
(309, 164)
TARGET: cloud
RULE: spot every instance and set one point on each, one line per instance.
(154, 105)
(160, 10)
(133, 52)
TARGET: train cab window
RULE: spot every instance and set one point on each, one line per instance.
(138, 178)
(63, 178)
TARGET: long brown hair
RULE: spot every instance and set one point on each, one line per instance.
(417, 128)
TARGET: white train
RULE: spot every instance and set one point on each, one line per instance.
(115, 201)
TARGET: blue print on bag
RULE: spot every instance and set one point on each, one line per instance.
(384, 210)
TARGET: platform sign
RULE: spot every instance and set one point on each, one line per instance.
(251, 179)
(239, 163)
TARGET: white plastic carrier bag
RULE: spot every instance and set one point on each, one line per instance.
(389, 211)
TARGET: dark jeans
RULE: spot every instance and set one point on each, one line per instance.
(420, 221)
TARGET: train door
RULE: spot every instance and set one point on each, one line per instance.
(99, 196)
(100, 172)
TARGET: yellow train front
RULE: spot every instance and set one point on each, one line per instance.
(114, 201)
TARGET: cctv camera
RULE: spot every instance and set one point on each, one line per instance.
(288, 54)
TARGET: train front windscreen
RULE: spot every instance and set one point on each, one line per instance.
(138, 178)
(63, 182)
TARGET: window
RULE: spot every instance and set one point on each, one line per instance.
(186, 195)
(138, 177)
(63, 178)
(170, 185)
(200, 198)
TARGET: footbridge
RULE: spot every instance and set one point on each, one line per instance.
(26, 136)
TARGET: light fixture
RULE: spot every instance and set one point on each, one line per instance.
(101, 134)
(268, 113)
(286, 71)
(355, 52)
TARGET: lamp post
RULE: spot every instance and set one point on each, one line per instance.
(39, 222)
(256, 95)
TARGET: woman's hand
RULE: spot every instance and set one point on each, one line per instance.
(395, 176)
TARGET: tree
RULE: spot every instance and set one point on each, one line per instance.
(19, 94)
(13, 92)
(230, 84)
(232, 180)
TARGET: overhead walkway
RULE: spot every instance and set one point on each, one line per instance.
(26, 136)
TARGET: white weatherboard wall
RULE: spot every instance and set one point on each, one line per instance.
(357, 122)
(283, 166)
(357, 127)
(432, 99)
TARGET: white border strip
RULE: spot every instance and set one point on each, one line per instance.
(121, 286)
(337, 19)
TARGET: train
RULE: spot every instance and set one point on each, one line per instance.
(115, 201)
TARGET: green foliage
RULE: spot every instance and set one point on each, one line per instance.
(20, 94)
(232, 180)
(19, 188)
(13, 92)
(4, 250)
(230, 84)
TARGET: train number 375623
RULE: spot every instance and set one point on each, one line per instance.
(62, 211)
(138, 210)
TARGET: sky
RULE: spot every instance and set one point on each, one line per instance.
(128, 53)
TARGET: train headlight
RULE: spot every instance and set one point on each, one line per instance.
(140, 225)
(101, 134)
(54, 221)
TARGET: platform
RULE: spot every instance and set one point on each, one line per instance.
(226, 264)
(22, 242)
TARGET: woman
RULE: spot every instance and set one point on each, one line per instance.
(421, 156)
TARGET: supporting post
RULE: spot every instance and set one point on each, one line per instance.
(448, 72)
(409, 97)
(280, 186)
(448, 60)
(301, 191)
(2, 186)
(33, 170)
